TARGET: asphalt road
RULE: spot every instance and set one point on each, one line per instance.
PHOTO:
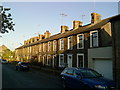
(33, 79)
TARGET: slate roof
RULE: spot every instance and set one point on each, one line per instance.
(81, 29)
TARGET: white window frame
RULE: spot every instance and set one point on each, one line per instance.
(63, 60)
(44, 57)
(78, 41)
(70, 48)
(39, 59)
(40, 47)
(54, 45)
(49, 46)
(61, 44)
(44, 47)
(83, 59)
(36, 49)
(91, 40)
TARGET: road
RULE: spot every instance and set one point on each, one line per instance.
(28, 79)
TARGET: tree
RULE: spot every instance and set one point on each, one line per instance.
(8, 55)
(6, 20)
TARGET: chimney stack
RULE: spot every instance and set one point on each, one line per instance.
(41, 37)
(25, 42)
(47, 34)
(95, 18)
(76, 24)
(36, 39)
(64, 29)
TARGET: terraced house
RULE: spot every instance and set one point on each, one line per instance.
(83, 46)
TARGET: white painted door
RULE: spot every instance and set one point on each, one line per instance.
(53, 62)
(69, 60)
(104, 67)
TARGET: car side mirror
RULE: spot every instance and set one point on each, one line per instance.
(78, 75)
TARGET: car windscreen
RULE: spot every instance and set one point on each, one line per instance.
(24, 63)
(87, 73)
(4, 60)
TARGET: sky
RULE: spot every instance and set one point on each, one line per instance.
(33, 18)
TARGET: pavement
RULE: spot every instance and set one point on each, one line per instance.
(47, 69)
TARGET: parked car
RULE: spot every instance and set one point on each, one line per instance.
(85, 79)
(3, 61)
(22, 66)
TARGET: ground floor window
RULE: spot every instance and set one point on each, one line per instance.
(61, 60)
(39, 58)
(80, 60)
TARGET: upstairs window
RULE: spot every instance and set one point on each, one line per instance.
(70, 43)
(49, 46)
(61, 60)
(80, 41)
(44, 47)
(54, 45)
(94, 39)
(62, 44)
(40, 47)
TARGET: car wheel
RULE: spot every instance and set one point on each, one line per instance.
(64, 84)
(86, 88)
(16, 69)
(19, 69)
(28, 69)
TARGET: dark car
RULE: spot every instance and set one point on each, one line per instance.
(3, 61)
(22, 66)
(85, 79)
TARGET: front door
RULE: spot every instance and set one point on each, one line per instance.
(80, 60)
(54, 61)
(69, 60)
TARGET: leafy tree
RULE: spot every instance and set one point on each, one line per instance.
(6, 20)
(7, 54)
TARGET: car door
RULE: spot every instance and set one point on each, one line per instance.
(77, 79)
(69, 77)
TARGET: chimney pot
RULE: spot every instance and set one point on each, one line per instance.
(41, 37)
(95, 17)
(47, 34)
(76, 24)
(64, 29)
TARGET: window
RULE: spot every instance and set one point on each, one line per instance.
(39, 58)
(94, 39)
(36, 49)
(49, 46)
(54, 45)
(80, 41)
(61, 60)
(62, 44)
(70, 43)
(80, 60)
(40, 48)
(44, 60)
(44, 47)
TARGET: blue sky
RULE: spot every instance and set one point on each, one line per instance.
(32, 18)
